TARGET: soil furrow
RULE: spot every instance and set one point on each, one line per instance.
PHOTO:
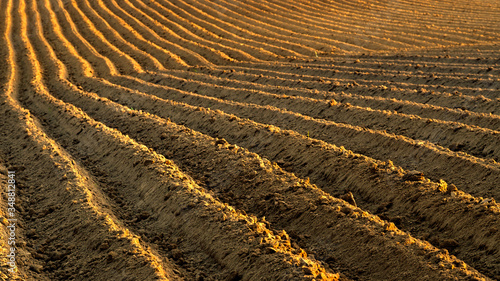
(376, 97)
(216, 56)
(101, 64)
(192, 20)
(486, 88)
(471, 174)
(190, 53)
(453, 135)
(445, 11)
(230, 237)
(90, 135)
(410, 79)
(454, 107)
(407, 64)
(382, 40)
(417, 34)
(377, 31)
(136, 38)
(121, 41)
(339, 40)
(456, 136)
(13, 263)
(63, 206)
(432, 20)
(276, 31)
(12, 223)
(5, 31)
(246, 30)
(475, 141)
(62, 249)
(98, 136)
(428, 201)
(125, 64)
(153, 132)
(198, 38)
(373, 12)
(324, 140)
(470, 55)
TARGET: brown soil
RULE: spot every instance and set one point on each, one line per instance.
(250, 140)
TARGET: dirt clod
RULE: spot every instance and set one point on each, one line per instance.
(349, 198)
(414, 176)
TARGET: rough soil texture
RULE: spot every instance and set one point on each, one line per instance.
(250, 140)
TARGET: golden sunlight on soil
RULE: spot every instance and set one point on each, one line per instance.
(249, 140)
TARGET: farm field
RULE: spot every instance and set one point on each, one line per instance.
(249, 140)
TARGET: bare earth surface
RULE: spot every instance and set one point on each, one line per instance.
(250, 140)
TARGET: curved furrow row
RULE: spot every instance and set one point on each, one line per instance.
(476, 87)
(276, 32)
(10, 220)
(476, 141)
(462, 55)
(65, 192)
(473, 86)
(127, 17)
(377, 96)
(456, 136)
(408, 31)
(453, 5)
(451, 61)
(138, 41)
(89, 33)
(71, 44)
(57, 91)
(246, 30)
(63, 22)
(232, 229)
(331, 27)
(298, 152)
(386, 99)
(66, 249)
(396, 11)
(88, 30)
(401, 65)
(432, 19)
(184, 35)
(192, 20)
(481, 53)
(234, 178)
(322, 87)
(196, 33)
(333, 24)
(477, 54)
(451, 9)
(105, 112)
(327, 140)
(374, 24)
(401, 68)
(123, 44)
(411, 79)
(298, 28)
(5, 33)
(411, 154)
(77, 128)
(459, 65)
(174, 201)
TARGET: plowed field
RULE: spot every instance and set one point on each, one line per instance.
(249, 140)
